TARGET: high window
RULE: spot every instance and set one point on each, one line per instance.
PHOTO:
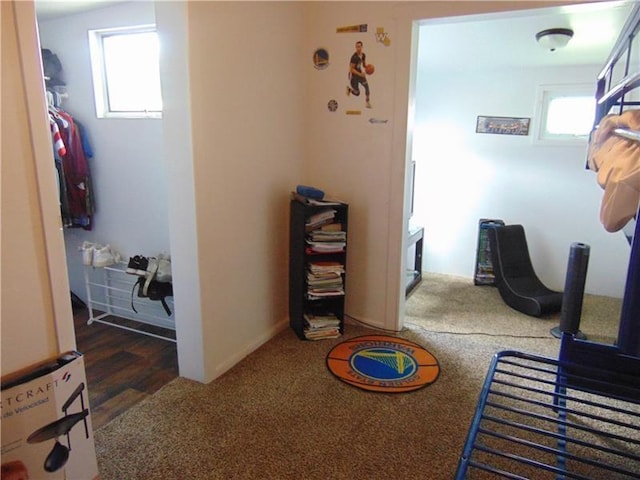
(566, 114)
(126, 72)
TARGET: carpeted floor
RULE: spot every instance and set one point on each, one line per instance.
(454, 304)
(279, 414)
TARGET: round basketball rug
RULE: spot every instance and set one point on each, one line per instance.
(381, 363)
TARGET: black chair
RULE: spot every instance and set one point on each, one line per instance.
(517, 282)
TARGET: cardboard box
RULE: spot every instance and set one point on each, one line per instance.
(46, 423)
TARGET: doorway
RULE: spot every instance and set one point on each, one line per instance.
(129, 179)
(463, 175)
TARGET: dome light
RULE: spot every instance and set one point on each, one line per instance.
(554, 38)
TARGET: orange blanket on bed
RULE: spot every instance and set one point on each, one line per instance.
(617, 161)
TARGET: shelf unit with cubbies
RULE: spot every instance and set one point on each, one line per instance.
(484, 274)
(305, 299)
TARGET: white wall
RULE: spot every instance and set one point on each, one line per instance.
(174, 71)
(129, 167)
(348, 156)
(463, 176)
(247, 131)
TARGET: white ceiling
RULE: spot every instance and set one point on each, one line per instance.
(480, 41)
(48, 9)
(508, 39)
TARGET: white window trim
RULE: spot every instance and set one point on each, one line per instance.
(542, 96)
(99, 75)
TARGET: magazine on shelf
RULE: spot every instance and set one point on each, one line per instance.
(326, 266)
(322, 335)
(326, 247)
(327, 236)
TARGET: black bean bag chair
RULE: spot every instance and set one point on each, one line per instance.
(517, 282)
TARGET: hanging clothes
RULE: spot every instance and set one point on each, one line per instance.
(71, 152)
(617, 161)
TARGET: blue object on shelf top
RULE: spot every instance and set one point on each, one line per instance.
(310, 192)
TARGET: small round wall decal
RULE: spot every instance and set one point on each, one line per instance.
(321, 58)
(332, 105)
(382, 363)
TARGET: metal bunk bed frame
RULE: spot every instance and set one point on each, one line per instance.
(578, 416)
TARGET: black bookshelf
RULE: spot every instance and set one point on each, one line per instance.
(302, 300)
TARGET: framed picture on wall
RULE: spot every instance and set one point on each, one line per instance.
(503, 125)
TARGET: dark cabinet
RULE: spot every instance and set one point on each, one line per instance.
(484, 274)
(317, 268)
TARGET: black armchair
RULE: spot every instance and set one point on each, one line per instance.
(517, 282)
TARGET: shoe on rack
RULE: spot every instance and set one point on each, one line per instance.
(152, 268)
(103, 256)
(138, 265)
(87, 250)
(163, 273)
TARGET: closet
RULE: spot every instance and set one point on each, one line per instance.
(128, 174)
(128, 192)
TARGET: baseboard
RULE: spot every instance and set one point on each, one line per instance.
(252, 347)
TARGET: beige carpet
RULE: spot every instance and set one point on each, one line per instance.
(279, 414)
(448, 303)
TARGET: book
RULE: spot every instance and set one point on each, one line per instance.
(325, 322)
(326, 246)
(334, 333)
(320, 218)
(329, 236)
(332, 227)
(319, 268)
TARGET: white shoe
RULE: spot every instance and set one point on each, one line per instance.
(152, 268)
(87, 249)
(164, 268)
(103, 256)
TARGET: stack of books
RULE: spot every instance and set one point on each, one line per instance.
(324, 279)
(328, 234)
(328, 238)
(321, 326)
(323, 217)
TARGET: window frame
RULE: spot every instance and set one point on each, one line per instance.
(547, 93)
(98, 70)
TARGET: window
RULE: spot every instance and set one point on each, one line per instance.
(126, 72)
(566, 114)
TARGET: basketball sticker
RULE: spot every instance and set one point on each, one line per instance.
(359, 68)
(382, 363)
(321, 58)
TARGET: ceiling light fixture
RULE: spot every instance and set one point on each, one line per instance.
(554, 38)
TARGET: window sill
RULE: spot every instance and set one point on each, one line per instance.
(131, 115)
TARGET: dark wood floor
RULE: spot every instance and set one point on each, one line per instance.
(122, 367)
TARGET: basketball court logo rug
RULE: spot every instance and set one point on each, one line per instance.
(381, 363)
